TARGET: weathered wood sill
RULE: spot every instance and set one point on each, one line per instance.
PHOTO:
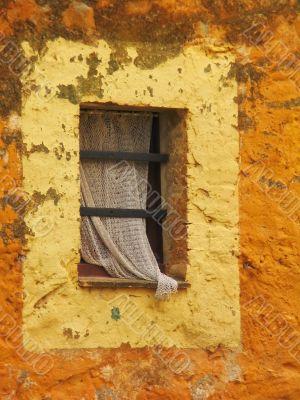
(91, 276)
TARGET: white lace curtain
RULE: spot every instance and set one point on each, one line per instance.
(120, 245)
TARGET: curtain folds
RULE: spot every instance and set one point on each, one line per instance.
(120, 245)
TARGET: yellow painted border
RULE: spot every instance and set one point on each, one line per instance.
(58, 314)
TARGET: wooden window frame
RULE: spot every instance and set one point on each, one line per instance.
(94, 276)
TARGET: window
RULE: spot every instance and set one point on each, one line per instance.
(124, 157)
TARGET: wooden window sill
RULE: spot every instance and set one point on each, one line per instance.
(92, 276)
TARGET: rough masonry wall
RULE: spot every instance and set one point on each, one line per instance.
(267, 69)
(207, 314)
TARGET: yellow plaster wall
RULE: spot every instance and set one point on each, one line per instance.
(59, 314)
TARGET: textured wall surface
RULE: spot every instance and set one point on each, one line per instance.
(207, 314)
(263, 40)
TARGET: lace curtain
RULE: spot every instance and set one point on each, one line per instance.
(119, 245)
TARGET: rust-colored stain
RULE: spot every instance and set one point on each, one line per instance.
(265, 368)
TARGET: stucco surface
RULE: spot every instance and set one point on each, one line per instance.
(264, 37)
(207, 314)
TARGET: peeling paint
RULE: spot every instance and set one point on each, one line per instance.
(90, 85)
(39, 198)
(268, 103)
(115, 313)
(213, 218)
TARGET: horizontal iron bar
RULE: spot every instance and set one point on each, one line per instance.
(122, 155)
(122, 213)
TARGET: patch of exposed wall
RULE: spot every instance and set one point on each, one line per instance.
(56, 312)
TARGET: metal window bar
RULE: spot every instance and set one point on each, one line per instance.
(157, 214)
(121, 155)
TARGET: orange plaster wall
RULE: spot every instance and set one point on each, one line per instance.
(267, 367)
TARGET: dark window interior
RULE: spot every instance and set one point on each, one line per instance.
(154, 230)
